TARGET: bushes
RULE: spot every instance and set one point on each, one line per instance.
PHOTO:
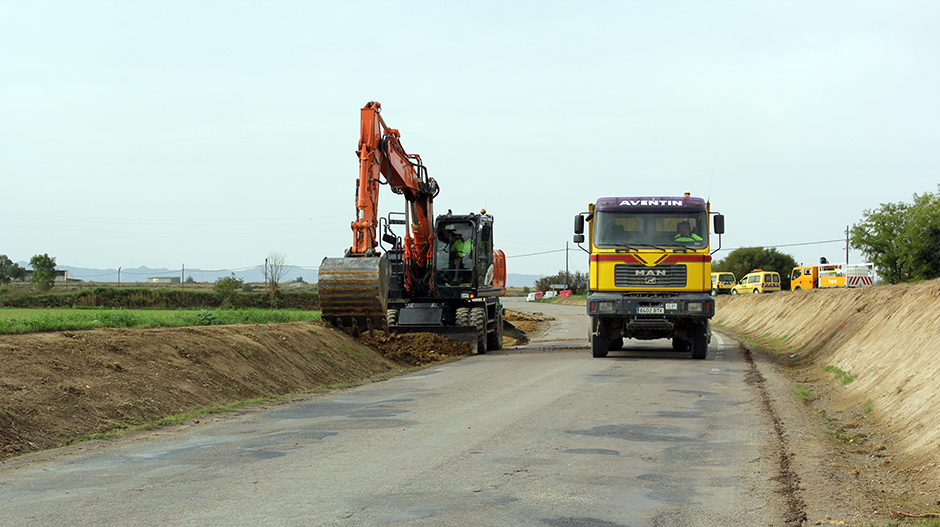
(90, 319)
(142, 297)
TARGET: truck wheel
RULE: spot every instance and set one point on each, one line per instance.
(699, 342)
(680, 344)
(599, 342)
(615, 345)
(494, 340)
(478, 319)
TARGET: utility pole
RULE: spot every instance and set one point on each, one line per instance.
(119, 276)
(567, 279)
(846, 245)
(182, 275)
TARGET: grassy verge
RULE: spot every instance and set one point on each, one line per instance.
(35, 320)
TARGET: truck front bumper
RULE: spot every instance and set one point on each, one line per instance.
(651, 308)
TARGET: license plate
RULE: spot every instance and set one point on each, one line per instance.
(650, 311)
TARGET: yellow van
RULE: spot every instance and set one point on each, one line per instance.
(757, 281)
(722, 283)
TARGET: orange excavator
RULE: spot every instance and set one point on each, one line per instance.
(443, 276)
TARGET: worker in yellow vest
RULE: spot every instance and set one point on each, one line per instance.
(461, 250)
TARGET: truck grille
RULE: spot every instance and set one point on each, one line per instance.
(626, 275)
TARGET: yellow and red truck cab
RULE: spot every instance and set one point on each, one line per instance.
(650, 271)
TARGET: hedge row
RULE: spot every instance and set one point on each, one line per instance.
(136, 298)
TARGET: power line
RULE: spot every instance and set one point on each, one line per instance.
(537, 254)
(785, 245)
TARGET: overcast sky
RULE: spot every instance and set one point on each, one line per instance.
(210, 134)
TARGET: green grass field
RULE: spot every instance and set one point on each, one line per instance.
(14, 320)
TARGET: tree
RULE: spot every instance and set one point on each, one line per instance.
(275, 267)
(227, 287)
(923, 236)
(10, 271)
(902, 240)
(576, 281)
(44, 273)
(880, 238)
(746, 259)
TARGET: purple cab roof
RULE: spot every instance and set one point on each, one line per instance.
(650, 204)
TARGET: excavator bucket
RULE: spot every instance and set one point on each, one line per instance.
(354, 293)
(515, 333)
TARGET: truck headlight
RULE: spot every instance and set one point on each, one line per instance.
(604, 307)
(694, 307)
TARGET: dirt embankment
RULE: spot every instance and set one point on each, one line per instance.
(870, 359)
(55, 387)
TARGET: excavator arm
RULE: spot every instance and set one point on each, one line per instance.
(354, 290)
(381, 154)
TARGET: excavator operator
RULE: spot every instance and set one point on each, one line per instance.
(460, 250)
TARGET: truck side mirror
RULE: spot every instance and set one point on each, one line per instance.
(719, 221)
(578, 238)
(579, 225)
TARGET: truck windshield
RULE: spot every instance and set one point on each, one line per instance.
(619, 229)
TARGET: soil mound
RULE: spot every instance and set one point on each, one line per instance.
(526, 323)
(416, 349)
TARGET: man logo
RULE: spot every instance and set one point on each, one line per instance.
(650, 272)
(650, 280)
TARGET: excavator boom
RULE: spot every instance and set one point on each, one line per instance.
(354, 289)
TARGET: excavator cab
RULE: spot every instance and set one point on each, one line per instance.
(463, 258)
(456, 252)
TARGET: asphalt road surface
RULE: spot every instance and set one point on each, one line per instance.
(541, 435)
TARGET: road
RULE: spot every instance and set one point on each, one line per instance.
(541, 435)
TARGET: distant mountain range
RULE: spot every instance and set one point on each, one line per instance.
(250, 275)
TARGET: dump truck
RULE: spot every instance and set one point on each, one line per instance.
(650, 271)
(440, 274)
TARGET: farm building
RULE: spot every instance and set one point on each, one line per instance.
(163, 280)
